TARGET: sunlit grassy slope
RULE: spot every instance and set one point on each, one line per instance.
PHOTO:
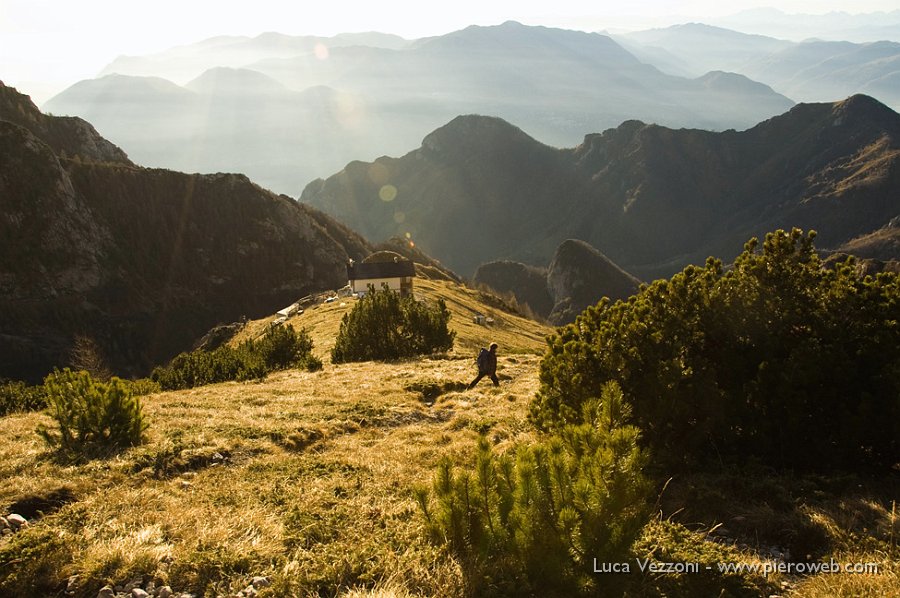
(514, 333)
(306, 478)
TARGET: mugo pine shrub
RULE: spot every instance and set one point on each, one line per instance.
(533, 522)
(17, 396)
(91, 416)
(383, 326)
(280, 348)
(777, 360)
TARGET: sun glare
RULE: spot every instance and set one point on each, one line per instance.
(320, 51)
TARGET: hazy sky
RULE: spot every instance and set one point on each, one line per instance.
(46, 45)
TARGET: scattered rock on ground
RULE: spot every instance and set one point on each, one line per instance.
(16, 521)
(136, 589)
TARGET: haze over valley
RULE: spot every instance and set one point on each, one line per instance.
(286, 110)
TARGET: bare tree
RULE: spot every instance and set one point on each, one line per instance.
(86, 355)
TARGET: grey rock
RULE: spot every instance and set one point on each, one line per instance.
(164, 592)
(139, 593)
(260, 582)
(71, 584)
(16, 521)
(106, 592)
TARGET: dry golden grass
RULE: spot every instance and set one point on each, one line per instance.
(307, 478)
(868, 166)
(883, 584)
(515, 334)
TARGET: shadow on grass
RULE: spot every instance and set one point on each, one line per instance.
(794, 518)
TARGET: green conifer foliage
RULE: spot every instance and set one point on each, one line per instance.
(777, 360)
(282, 347)
(384, 326)
(17, 396)
(279, 348)
(534, 521)
(91, 416)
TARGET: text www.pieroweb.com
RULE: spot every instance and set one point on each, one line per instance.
(765, 568)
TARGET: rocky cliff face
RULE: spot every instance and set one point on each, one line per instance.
(68, 136)
(528, 284)
(578, 276)
(143, 261)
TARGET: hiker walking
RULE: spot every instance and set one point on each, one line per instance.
(487, 365)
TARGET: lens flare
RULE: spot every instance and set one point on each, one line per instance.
(387, 193)
(399, 217)
(320, 51)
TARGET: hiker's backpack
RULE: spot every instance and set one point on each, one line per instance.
(484, 357)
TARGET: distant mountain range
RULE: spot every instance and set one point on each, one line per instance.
(652, 199)
(142, 261)
(809, 71)
(185, 63)
(835, 25)
(286, 110)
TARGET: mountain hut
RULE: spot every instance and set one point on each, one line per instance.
(383, 267)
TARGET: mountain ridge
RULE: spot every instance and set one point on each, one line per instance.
(143, 261)
(553, 83)
(67, 136)
(651, 198)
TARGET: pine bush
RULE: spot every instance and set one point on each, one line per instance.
(91, 415)
(17, 396)
(280, 348)
(384, 326)
(776, 360)
(532, 522)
